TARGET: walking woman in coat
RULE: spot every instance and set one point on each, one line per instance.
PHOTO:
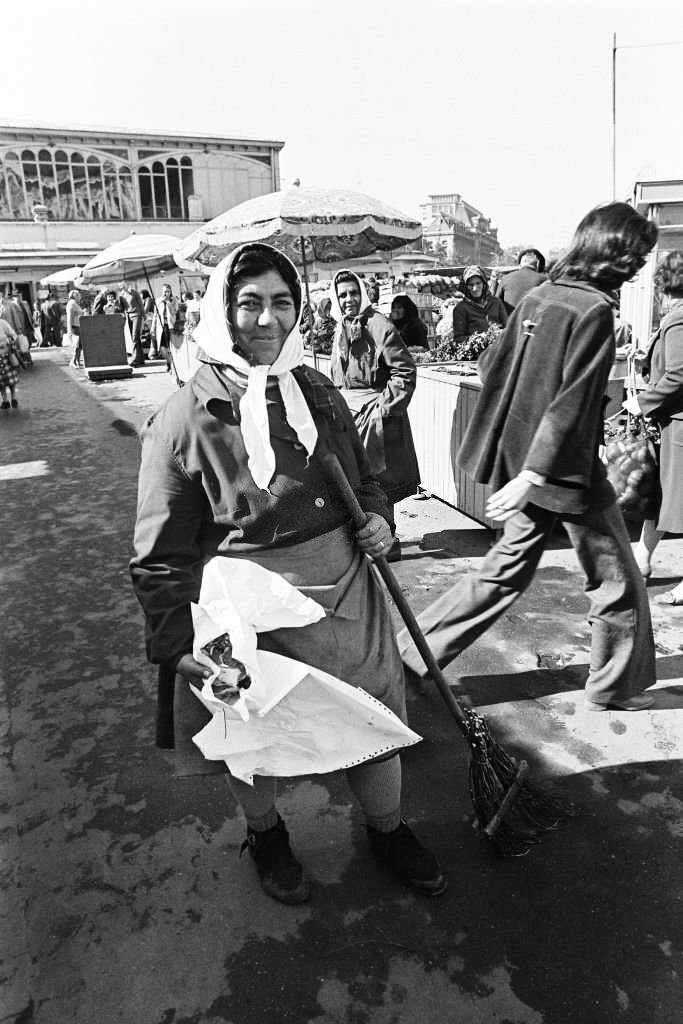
(663, 402)
(376, 374)
(534, 437)
(231, 466)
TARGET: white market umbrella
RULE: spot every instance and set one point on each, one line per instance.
(134, 257)
(64, 276)
(308, 223)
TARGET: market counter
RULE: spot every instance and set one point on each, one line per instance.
(442, 406)
(439, 412)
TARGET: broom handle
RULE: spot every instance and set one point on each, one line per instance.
(336, 473)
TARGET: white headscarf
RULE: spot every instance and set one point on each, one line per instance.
(335, 308)
(214, 335)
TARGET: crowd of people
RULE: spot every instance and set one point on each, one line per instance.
(234, 466)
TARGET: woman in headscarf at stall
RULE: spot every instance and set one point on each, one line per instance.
(405, 316)
(231, 466)
(478, 309)
(376, 374)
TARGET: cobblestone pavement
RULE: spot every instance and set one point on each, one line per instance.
(125, 901)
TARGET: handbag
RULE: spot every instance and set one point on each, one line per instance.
(632, 459)
(13, 359)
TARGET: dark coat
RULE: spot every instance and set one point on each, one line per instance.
(197, 498)
(380, 360)
(663, 401)
(470, 317)
(515, 285)
(542, 398)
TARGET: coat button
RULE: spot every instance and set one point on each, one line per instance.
(320, 502)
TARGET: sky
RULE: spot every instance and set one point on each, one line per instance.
(506, 102)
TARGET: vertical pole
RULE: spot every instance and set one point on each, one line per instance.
(614, 116)
(304, 267)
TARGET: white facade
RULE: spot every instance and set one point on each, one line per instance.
(66, 192)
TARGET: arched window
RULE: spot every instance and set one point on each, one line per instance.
(16, 195)
(81, 194)
(111, 191)
(165, 187)
(175, 195)
(187, 182)
(29, 168)
(49, 183)
(98, 209)
(128, 210)
(64, 186)
(145, 186)
(160, 192)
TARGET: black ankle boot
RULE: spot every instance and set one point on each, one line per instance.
(408, 859)
(281, 875)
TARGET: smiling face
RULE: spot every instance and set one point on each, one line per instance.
(348, 293)
(262, 313)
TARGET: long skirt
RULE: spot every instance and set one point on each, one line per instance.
(671, 478)
(388, 442)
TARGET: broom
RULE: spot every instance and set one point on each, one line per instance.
(508, 811)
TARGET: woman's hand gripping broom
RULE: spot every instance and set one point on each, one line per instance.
(508, 811)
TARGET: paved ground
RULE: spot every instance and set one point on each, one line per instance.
(124, 898)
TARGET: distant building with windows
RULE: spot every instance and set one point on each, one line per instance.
(66, 192)
(457, 231)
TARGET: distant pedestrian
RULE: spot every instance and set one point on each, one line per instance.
(530, 273)
(53, 317)
(164, 326)
(534, 438)
(9, 365)
(73, 329)
(135, 313)
(38, 326)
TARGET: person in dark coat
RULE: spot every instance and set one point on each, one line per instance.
(663, 402)
(231, 467)
(54, 321)
(405, 316)
(534, 437)
(514, 286)
(135, 313)
(478, 309)
(376, 373)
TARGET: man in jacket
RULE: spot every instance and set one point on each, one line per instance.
(514, 286)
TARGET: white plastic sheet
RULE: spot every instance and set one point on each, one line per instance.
(294, 719)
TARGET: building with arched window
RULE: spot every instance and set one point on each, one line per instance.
(66, 192)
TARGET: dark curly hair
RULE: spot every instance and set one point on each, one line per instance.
(257, 258)
(609, 247)
(669, 274)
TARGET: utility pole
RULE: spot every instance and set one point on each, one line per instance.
(614, 116)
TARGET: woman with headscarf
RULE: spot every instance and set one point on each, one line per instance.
(376, 374)
(324, 326)
(231, 466)
(478, 309)
(405, 316)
